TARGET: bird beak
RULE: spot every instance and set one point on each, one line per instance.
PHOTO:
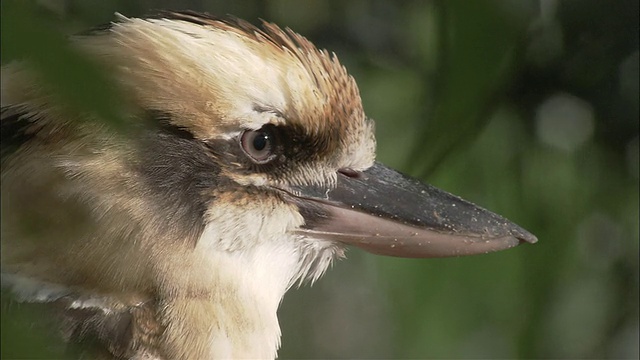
(385, 212)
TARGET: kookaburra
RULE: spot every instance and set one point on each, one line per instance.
(248, 168)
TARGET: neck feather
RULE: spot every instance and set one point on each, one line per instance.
(237, 318)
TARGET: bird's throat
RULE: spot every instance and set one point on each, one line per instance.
(229, 309)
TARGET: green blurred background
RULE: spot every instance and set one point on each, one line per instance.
(529, 108)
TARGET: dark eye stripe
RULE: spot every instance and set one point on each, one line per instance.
(14, 127)
(162, 120)
(281, 149)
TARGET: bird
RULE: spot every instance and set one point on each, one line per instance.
(248, 168)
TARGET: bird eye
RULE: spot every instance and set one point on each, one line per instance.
(259, 144)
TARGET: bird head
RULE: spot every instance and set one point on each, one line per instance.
(257, 170)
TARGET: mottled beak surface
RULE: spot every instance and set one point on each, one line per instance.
(385, 212)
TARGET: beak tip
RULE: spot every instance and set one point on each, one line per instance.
(525, 236)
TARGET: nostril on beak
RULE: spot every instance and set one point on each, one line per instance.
(349, 172)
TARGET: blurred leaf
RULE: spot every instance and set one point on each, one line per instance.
(478, 40)
(76, 80)
(24, 332)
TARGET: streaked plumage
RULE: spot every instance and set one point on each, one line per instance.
(178, 240)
